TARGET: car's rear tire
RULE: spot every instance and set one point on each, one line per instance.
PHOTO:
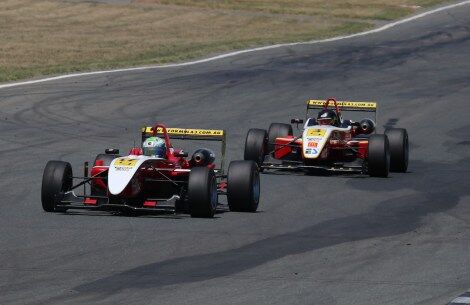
(202, 192)
(378, 160)
(243, 186)
(57, 178)
(255, 145)
(107, 159)
(278, 130)
(399, 149)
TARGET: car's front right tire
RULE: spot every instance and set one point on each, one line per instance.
(107, 159)
(243, 186)
(278, 130)
(399, 149)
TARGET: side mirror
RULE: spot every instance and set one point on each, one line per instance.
(367, 126)
(111, 151)
(180, 154)
(296, 121)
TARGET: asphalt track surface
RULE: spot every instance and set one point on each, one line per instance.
(315, 239)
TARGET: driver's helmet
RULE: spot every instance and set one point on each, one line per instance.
(327, 117)
(154, 146)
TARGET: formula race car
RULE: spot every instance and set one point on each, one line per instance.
(330, 143)
(155, 177)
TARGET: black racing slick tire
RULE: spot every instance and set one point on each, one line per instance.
(255, 145)
(107, 159)
(202, 192)
(399, 149)
(243, 186)
(378, 160)
(57, 178)
(278, 130)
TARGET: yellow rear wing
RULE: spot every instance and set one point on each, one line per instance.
(187, 133)
(191, 134)
(344, 105)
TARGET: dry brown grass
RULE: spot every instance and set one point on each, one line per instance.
(357, 9)
(42, 37)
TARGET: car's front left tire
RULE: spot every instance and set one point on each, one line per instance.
(378, 160)
(57, 178)
(256, 145)
(202, 192)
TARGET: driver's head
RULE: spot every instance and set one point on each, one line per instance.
(154, 146)
(327, 117)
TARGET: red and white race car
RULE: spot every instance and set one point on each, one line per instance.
(152, 182)
(328, 142)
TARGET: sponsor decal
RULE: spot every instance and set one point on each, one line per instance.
(185, 131)
(315, 132)
(348, 104)
(123, 168)
(311, 151)
(316, 139)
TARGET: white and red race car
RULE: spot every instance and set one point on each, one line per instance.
(345, 146)
(168, 182)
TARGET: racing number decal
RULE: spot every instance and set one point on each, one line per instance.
(312, 144)
(125, 162)
(316, 132)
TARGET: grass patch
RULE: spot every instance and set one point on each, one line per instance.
(45, 37)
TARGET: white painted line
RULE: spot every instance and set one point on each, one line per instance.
(464, 298)
(461, 300)
(380, 29)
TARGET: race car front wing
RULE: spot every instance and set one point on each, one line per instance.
(300, 166)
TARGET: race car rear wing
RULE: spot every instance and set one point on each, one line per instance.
(343, 106)
(191, 134)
